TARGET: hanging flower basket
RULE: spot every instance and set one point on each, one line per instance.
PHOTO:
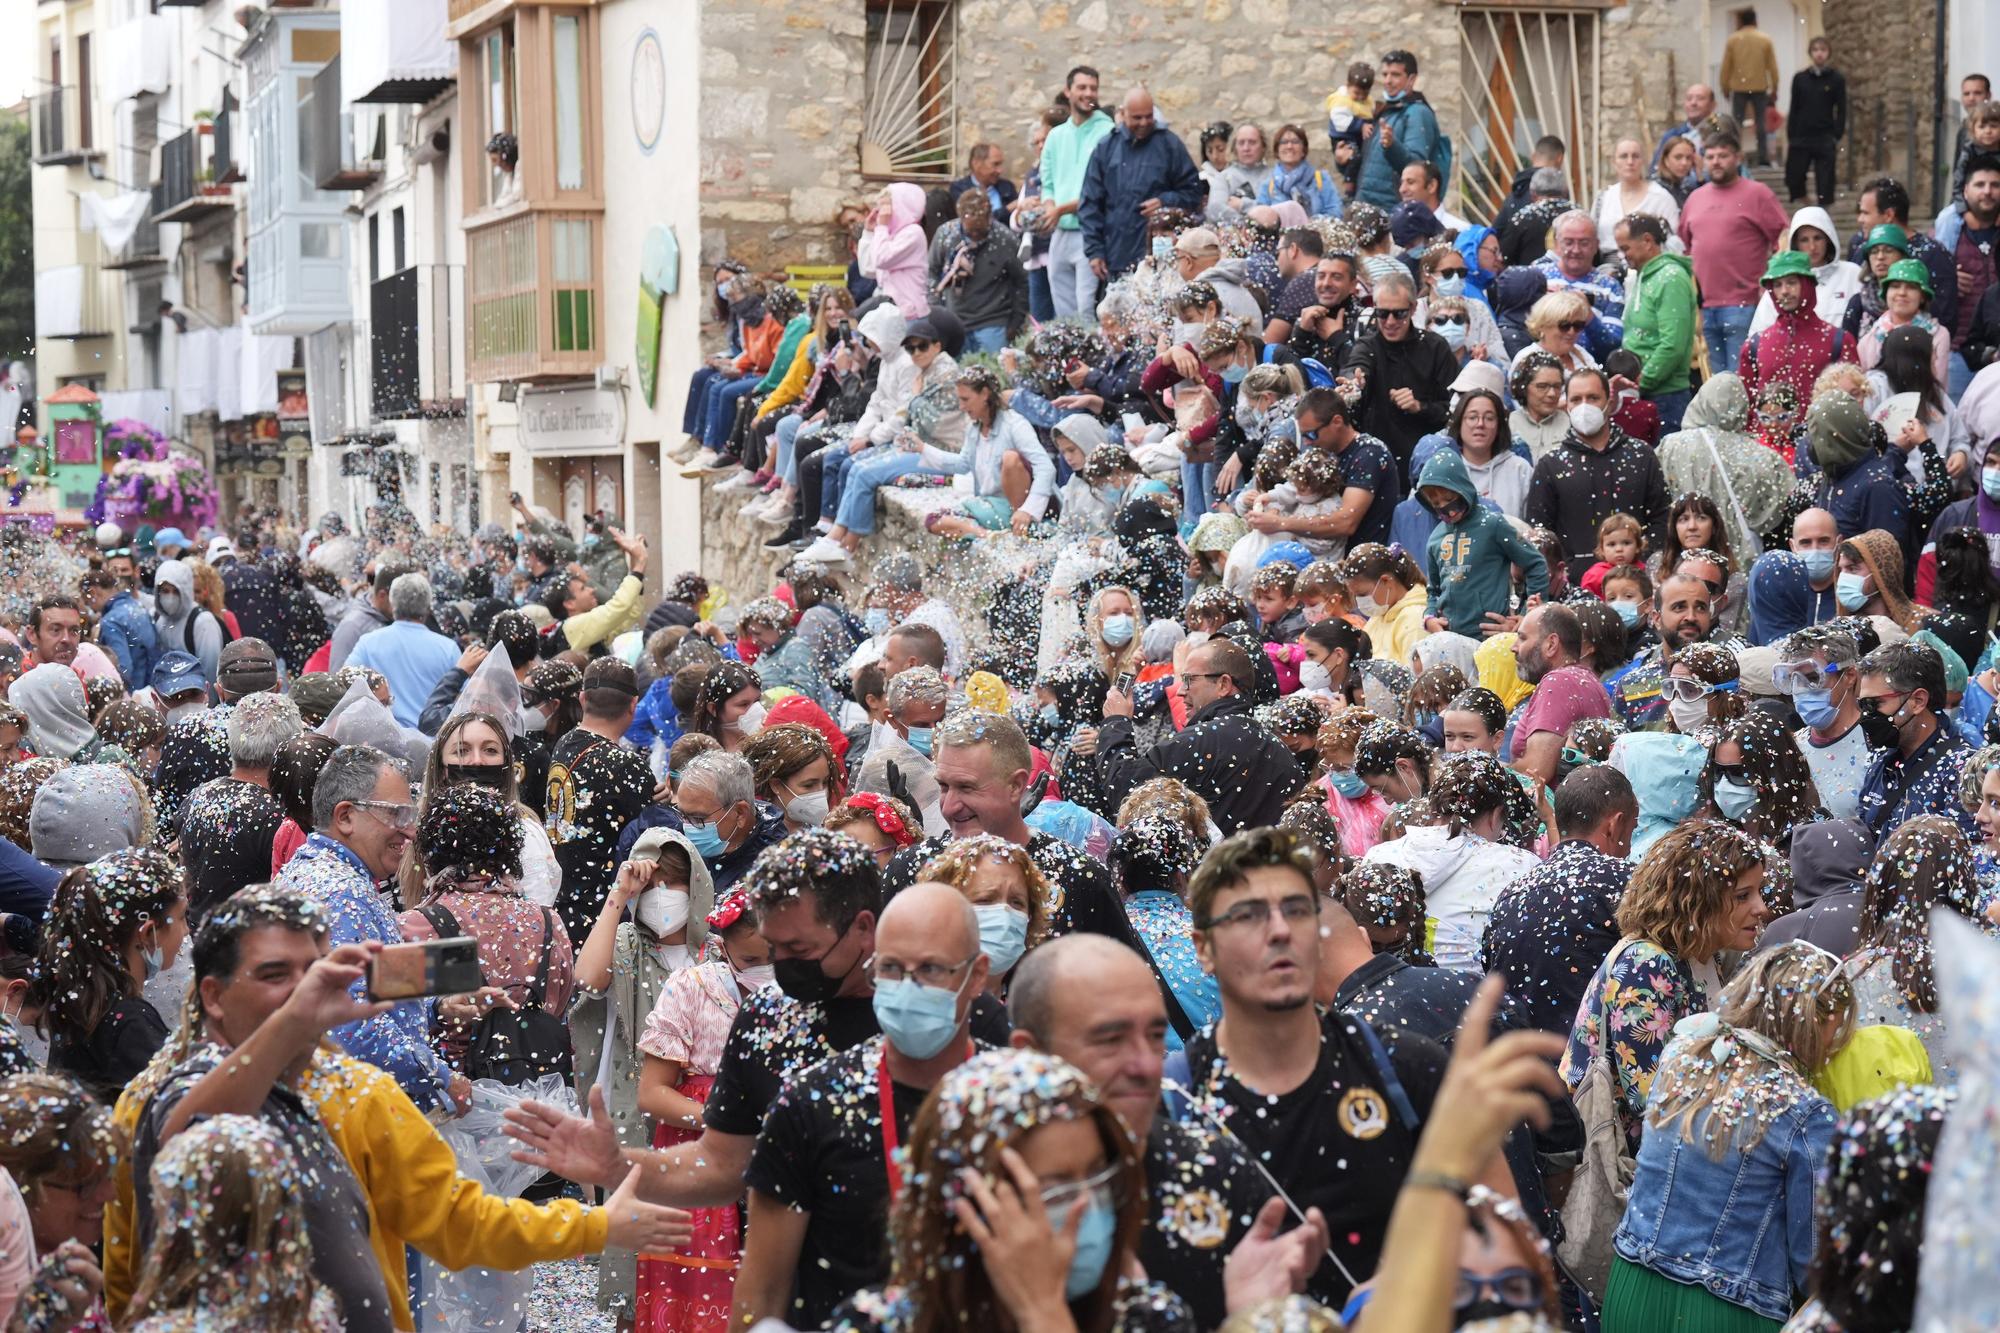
(154, 481)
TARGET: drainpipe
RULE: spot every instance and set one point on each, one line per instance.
(1940, 163)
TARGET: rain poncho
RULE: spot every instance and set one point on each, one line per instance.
(1712, 454)
(1664, 769)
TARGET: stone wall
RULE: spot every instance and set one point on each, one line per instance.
(1891, 101)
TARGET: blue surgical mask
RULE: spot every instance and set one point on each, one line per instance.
(1234, 374)
(1050, 714)
(1451, 284)
(1003, 935)
(1118, 630)
(1627, 612)
(1818, 564)
(1734, 799)
(705, 838)
(875, 620)
(1453, 334)
(1815, 708)
(1347, 782)
(1851, 591)
(918, 1020)
(1989, 482)
(1094, 1237)
(920, 740)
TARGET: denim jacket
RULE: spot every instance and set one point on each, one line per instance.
(1741, 1227)
(126, 631)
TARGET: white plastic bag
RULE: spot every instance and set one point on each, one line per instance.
(488, 1300)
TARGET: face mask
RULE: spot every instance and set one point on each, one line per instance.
(1481, 1311)
(1003, 935)
(1118, 630)
(754, 978)
(169, 602)
(1734, 799)
(1815, 708)
(1989, 482)
(875, 621)
(1094, 1236)
(706, 838)
(1627, 612)
(1234, 374)
(1818, 564)
(491, 776)
(920, 740)
(1368, 606)
(534, 720)
(1347, 783)
(918, 1020)
(180, 711)
(1163, 250)
(809, 810)
(1197, 638)
(1315, 612)
(1050, 714)
(752, 720)
(1185, 332)
(1587, 418)
(805, 980)
(1314, 676)
(1451, 284)
(663, 911)
(1688, 716)
(1453, 334)
(154, 959)
(1851, 591)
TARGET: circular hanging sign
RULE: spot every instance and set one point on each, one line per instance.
(649, 90)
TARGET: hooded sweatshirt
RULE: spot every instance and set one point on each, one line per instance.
(1794, 350)
(1468, 564)
(58, 714)
(895, 253)
(897, 378)
(1660, 323)
(1839, 281)
(1829, 873)
(1477, 279)
(204, 639)
(1463, 875)
(1856, 485)
(1664, 768)
(1882, 553)
(1228, 278)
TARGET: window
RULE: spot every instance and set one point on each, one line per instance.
(910, 127)
(374, 247)
(574, 295)
(569, 102)
(84, 98)
(319, 240)
(396, 240)
(497, 74)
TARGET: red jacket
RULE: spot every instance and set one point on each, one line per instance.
(1793, 351)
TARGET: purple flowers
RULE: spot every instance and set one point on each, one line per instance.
(154, 481)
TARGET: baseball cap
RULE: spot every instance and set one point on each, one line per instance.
(173, 537)
(246, 666)
(177, 673)
(217, 548)
(1479, 375)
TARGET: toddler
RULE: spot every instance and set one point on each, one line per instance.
(1621, 543)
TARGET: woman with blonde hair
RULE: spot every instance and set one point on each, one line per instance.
(1027, 1214)
(1555, 322)
(1008, 892)
(1718, 1233)
(230, 1249)
(794, 769)
(209, 594)
(1697, 892)
(1112, 624)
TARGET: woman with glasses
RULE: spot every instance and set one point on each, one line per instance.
(1556, 323)
(1697, 892)
(1925, 863)
(1539, 420)
(1026, 1214)
(1718, 1234)
(1757, 780)
(1703, 690)
(58, 1148)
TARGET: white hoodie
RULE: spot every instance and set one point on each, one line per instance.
(884, 326)
(1838, 281)
(179, 576)
(1463, 875)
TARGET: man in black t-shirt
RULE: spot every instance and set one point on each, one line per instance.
(229, 823)
(1371, 483)
(596, 784)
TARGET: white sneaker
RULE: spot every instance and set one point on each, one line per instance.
(824, 525)
(740, 480)
(686, 449)
(825, 551)
(777, 510)
(701, 463)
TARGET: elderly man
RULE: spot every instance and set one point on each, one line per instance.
(1572, 267)
(1596, 471)
(985, 167)
(1198, 258)
(229, 823)
(411, 657)
(976, 273)
(1402, 373)
(1134, 172)
(1697, 105)
(1660, 323)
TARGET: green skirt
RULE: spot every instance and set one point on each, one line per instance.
(1638, 1300)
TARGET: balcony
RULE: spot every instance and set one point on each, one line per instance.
(416, 322)
(331, 162)
(228, 171)
(62, 127)
(187, 191)
(395, 51)
(532, 299)
(75, 301)
(143, 250)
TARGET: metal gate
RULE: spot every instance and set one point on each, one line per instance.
(910, 126)
(1527, 73)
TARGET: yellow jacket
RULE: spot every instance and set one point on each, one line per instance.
(1395, 631)
(1749, 63)
(794, 383)
(415, 1195)
(606, 621)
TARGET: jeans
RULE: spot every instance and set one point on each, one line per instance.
(833, 477)
(788, 435)
(722, 409)
(1672, 405)
(1072, 286)
(868, 473)
(1041, 305)
(987, 338)
(1817, 154)
(1961, 376)
(1198, 487)
(1757, 101)
(695, 414)
(1726, 328)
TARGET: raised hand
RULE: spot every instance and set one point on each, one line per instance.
(585, 1151)
(645, 1228)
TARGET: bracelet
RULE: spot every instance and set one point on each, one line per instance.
(1438, 1180)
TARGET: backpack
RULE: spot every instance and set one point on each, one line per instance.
(1603, 1180)
(514, 1046)
(187, 629)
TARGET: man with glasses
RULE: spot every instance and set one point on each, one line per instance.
(1401, 373)
(1817, 668)
(1919, 769)
(1597, 471)
(1328, 1105)
(1572, 267)
(363, 819)
(1685, 610)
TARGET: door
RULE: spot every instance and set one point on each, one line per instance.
(83, 94)
(593, 486)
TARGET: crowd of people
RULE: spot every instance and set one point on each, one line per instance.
(1425, 785)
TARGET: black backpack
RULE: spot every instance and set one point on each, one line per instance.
(514, 1046)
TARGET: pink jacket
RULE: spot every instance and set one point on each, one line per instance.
(897, 255)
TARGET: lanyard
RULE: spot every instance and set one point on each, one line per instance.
(887, 1097)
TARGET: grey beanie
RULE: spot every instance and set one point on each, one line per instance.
(1084, 431)
(85, 811)
(1159, 639)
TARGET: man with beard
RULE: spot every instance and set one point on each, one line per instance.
(1687, 615)
(1546, 652)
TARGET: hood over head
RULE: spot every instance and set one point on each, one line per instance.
(1831, 856)
(906, 206)
(1812, 215)
(1447, 468)
(179, 575)
(701, 885)
(58, 713)
(1664, 769)
(884, 326)
(1515, 290)
(1721, 404)
(83, 812)
(1883, 555)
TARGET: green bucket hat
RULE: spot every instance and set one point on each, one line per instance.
(1911, 271)
(1787, 264)
(1889, 234)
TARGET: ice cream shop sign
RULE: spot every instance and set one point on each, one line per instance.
(572, 421)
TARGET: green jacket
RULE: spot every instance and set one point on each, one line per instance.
(1065, 155)
(1468, 564)
(1660, 323)
(788, 346)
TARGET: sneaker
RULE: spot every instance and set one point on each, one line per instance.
(723, 465)
(701, 463)
(777, 510)
(774, 484)
(824, 526)
(784, 540)
(741, 480)
(753, 508)
(686, 450)
(825, 551)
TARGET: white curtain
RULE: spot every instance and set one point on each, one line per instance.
(115, 217)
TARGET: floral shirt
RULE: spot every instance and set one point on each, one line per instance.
(691, 1021)
(1639, 992)
(1165, 927)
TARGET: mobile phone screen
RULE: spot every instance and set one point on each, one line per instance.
(428, 967)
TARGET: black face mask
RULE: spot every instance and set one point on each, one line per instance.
(1481, 1309)
(1876, 729)
(492, 776)
(805, 979)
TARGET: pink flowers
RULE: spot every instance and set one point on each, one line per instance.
(154, 481)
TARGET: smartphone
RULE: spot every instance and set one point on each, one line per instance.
(1123, 684)
(429, 967)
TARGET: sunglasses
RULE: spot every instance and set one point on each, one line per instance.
(1573, 326)
(1447, 319)
(1451, 273)
(1387, 312)
(1875, 701)
(916, 345)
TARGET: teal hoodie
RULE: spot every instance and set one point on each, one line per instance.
(1467, 564)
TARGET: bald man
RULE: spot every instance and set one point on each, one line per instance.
(1135, 171)
(1095, 1003)
(1697, 105)
(819, 1177)
(1789, 590)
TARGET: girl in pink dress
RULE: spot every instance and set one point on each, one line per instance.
(689, 1290)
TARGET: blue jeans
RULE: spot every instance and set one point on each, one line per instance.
(722, 409)
(868, 474)
(788, 439)
(1198, 488)
(1041, 305)
(1726, 328)
(1961, 376)
(986, 338)
(695, 413)
(833, 477)
(1673, 405)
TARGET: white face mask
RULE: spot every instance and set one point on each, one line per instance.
(534, 719)
(1314, 676)
(751, 721)
(1368, 606)
(663, 910)
(179, 711)
(169, 602)
(1688, 716)
(1586, 418)
(755, 978)
(809, 810)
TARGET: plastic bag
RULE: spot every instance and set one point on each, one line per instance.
(492, 689)
(475, 1300)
